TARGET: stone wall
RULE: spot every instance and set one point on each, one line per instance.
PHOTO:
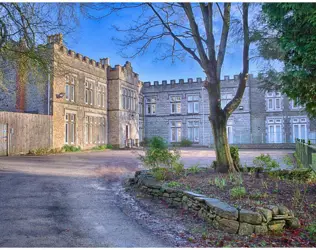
(220, 214)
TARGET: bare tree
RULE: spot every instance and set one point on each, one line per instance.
(24, 28)
(179, 29)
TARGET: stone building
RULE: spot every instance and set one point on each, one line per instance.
(180, 110)
(92, 103)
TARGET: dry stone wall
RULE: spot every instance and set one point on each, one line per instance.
(218, 213)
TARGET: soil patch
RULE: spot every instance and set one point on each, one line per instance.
(260, 190)
(190, 231)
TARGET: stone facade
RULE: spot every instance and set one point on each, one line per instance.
(93, 103)
(257, 120)
(124, 90)
(84, 98)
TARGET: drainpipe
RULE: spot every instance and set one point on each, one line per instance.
(48, 92)
(202, 115)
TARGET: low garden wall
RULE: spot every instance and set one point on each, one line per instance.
(220, 214)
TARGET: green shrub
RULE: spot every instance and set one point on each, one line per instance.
(311, 229)
(288, 160)
(238, 192)
(219, 182)
(257, 195)
(298, 161)
(194, 169)
(174, 184)
(309, 142)
(144, 142)
(236, 179)
(234, 152)
(178, 168)
(103, 147)
(266, 162)
(70, 148)
(157, 154)
(186, 143)
(297, 174)
(55, 150)
(160, 174)
(158, 142)
(39, 151)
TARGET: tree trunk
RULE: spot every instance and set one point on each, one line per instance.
(224, 161)
(218, 119)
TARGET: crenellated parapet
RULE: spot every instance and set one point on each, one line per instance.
(56, 40)
(198, 80)
(173, 82)
(123, 72)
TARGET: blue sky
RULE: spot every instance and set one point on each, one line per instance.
(93, 38)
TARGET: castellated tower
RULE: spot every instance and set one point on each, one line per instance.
(78, 94)
(124, 88)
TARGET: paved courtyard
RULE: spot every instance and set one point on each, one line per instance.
(69, 200)
(204, 157)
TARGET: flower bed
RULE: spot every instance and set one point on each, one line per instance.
(221, 215)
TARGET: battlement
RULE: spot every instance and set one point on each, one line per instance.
(102, 64)
(127, 67)
(190, 81)
(56, 38)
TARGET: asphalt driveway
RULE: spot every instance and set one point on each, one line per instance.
(69, 200)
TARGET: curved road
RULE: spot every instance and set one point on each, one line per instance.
(68, 200)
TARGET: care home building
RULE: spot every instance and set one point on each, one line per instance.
(92, 103)
(180, 109)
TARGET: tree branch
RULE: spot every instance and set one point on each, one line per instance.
(223, 42)
(233, 104)
(196, 35)
(179, 41)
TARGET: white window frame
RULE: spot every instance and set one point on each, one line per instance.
(90, 93)
(273, 98)
(70, 88)
(175, 102)
(70, 127)
(300, 121)
(193, 104)
(151, 102)
(274, 122)
(274, 137)
(300, 125)
(174, 125)
(194, 127)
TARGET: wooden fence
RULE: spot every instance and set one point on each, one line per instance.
(22, 132)
(307, 154)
